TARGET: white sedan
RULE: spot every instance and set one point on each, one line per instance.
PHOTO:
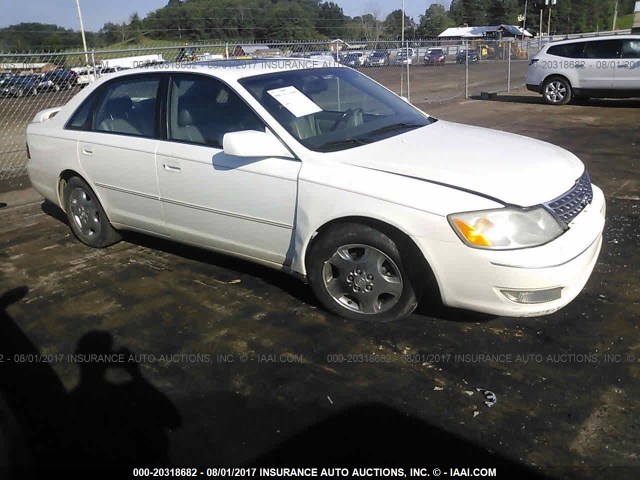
(319, 171)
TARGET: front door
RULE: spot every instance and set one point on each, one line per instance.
(238, 205)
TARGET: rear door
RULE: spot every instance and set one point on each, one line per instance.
(601, 60)
(117, 152)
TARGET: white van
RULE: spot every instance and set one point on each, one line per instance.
(599, 67)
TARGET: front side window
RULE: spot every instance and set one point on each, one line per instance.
(331, 109)
(202, 110)
(631, 49)
(128, 106)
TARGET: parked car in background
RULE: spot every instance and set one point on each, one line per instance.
(407, 51)
(59, 79)
(403, 58)
(106, 70)
(323, 173)
(378, 58)
(461, 57)
(20, 85)
(354, 59)
(598, 67)
(434, 56)
(86, 75)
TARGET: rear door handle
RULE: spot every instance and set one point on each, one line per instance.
(87, 150)
(171, 168)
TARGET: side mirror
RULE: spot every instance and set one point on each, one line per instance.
(252, 143)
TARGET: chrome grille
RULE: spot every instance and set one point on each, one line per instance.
(569, 205)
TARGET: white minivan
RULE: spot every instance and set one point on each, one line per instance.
(584, 68)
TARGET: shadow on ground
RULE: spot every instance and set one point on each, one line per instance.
(374, 435)
(121, 424)
(537, 100)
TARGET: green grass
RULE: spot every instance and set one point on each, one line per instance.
(624, 22)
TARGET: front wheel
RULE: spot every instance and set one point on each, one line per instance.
(556, 91)
(87, 218)
(357, 272)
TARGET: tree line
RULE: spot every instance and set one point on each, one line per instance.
(298, 20)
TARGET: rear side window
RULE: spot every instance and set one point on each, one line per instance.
(603, 49)
(82, 118)
(631, 49)
(569, 50)
(128, 106)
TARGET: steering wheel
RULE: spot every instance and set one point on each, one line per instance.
(352, 114)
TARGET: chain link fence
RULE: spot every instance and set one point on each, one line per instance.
(424, 72)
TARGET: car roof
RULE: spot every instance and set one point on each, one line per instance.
(593, 39)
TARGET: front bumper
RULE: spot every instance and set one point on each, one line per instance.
(474, 279)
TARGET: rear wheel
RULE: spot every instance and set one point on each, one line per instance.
(556, 91)
(356, 272)
(87, 218)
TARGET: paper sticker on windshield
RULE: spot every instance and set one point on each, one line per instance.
(295, 101)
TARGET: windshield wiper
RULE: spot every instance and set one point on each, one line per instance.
(394, 126)
(346, 142)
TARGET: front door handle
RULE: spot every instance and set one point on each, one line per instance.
(87, 150)
(171, 168)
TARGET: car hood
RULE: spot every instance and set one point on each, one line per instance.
(511, 168)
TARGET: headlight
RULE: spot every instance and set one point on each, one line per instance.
(506, 228)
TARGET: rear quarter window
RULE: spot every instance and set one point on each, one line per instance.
(568, 50)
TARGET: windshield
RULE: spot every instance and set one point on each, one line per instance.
(332, 109)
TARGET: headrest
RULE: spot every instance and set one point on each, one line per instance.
(184, 117)
(188, 108)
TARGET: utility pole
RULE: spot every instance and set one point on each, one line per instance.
(550, 3)
(84, 40)
(615, 17)
(540, 31)
(401, 49)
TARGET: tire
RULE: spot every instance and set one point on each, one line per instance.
(556, 91)
(86, 217)
(356, 272)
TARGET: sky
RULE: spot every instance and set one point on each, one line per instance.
(96, 13)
